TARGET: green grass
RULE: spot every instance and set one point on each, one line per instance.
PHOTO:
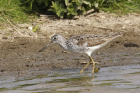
(18, 12)
(11, 10)
(122, 6)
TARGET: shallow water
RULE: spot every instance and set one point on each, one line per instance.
(109, 79)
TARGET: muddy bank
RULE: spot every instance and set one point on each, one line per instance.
(19, 54)
(20, 57)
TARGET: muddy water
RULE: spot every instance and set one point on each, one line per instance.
(110, 79)
(24, 69)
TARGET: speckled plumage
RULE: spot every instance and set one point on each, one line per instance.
(83, 43)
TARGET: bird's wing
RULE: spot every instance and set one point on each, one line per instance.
(90, 40)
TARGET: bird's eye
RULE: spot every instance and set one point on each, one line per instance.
(54, 38)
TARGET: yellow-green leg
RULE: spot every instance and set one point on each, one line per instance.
(85, 67)
(91, 61)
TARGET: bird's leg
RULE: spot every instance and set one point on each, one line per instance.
(93, 63)
(86, 65)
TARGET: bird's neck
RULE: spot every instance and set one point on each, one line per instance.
(63, 44)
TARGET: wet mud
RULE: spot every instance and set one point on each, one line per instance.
(20, 57)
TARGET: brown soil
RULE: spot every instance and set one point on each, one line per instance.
(19, 56)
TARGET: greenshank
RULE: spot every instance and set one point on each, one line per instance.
(82, 44)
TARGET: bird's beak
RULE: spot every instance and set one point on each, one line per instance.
(45, 47)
